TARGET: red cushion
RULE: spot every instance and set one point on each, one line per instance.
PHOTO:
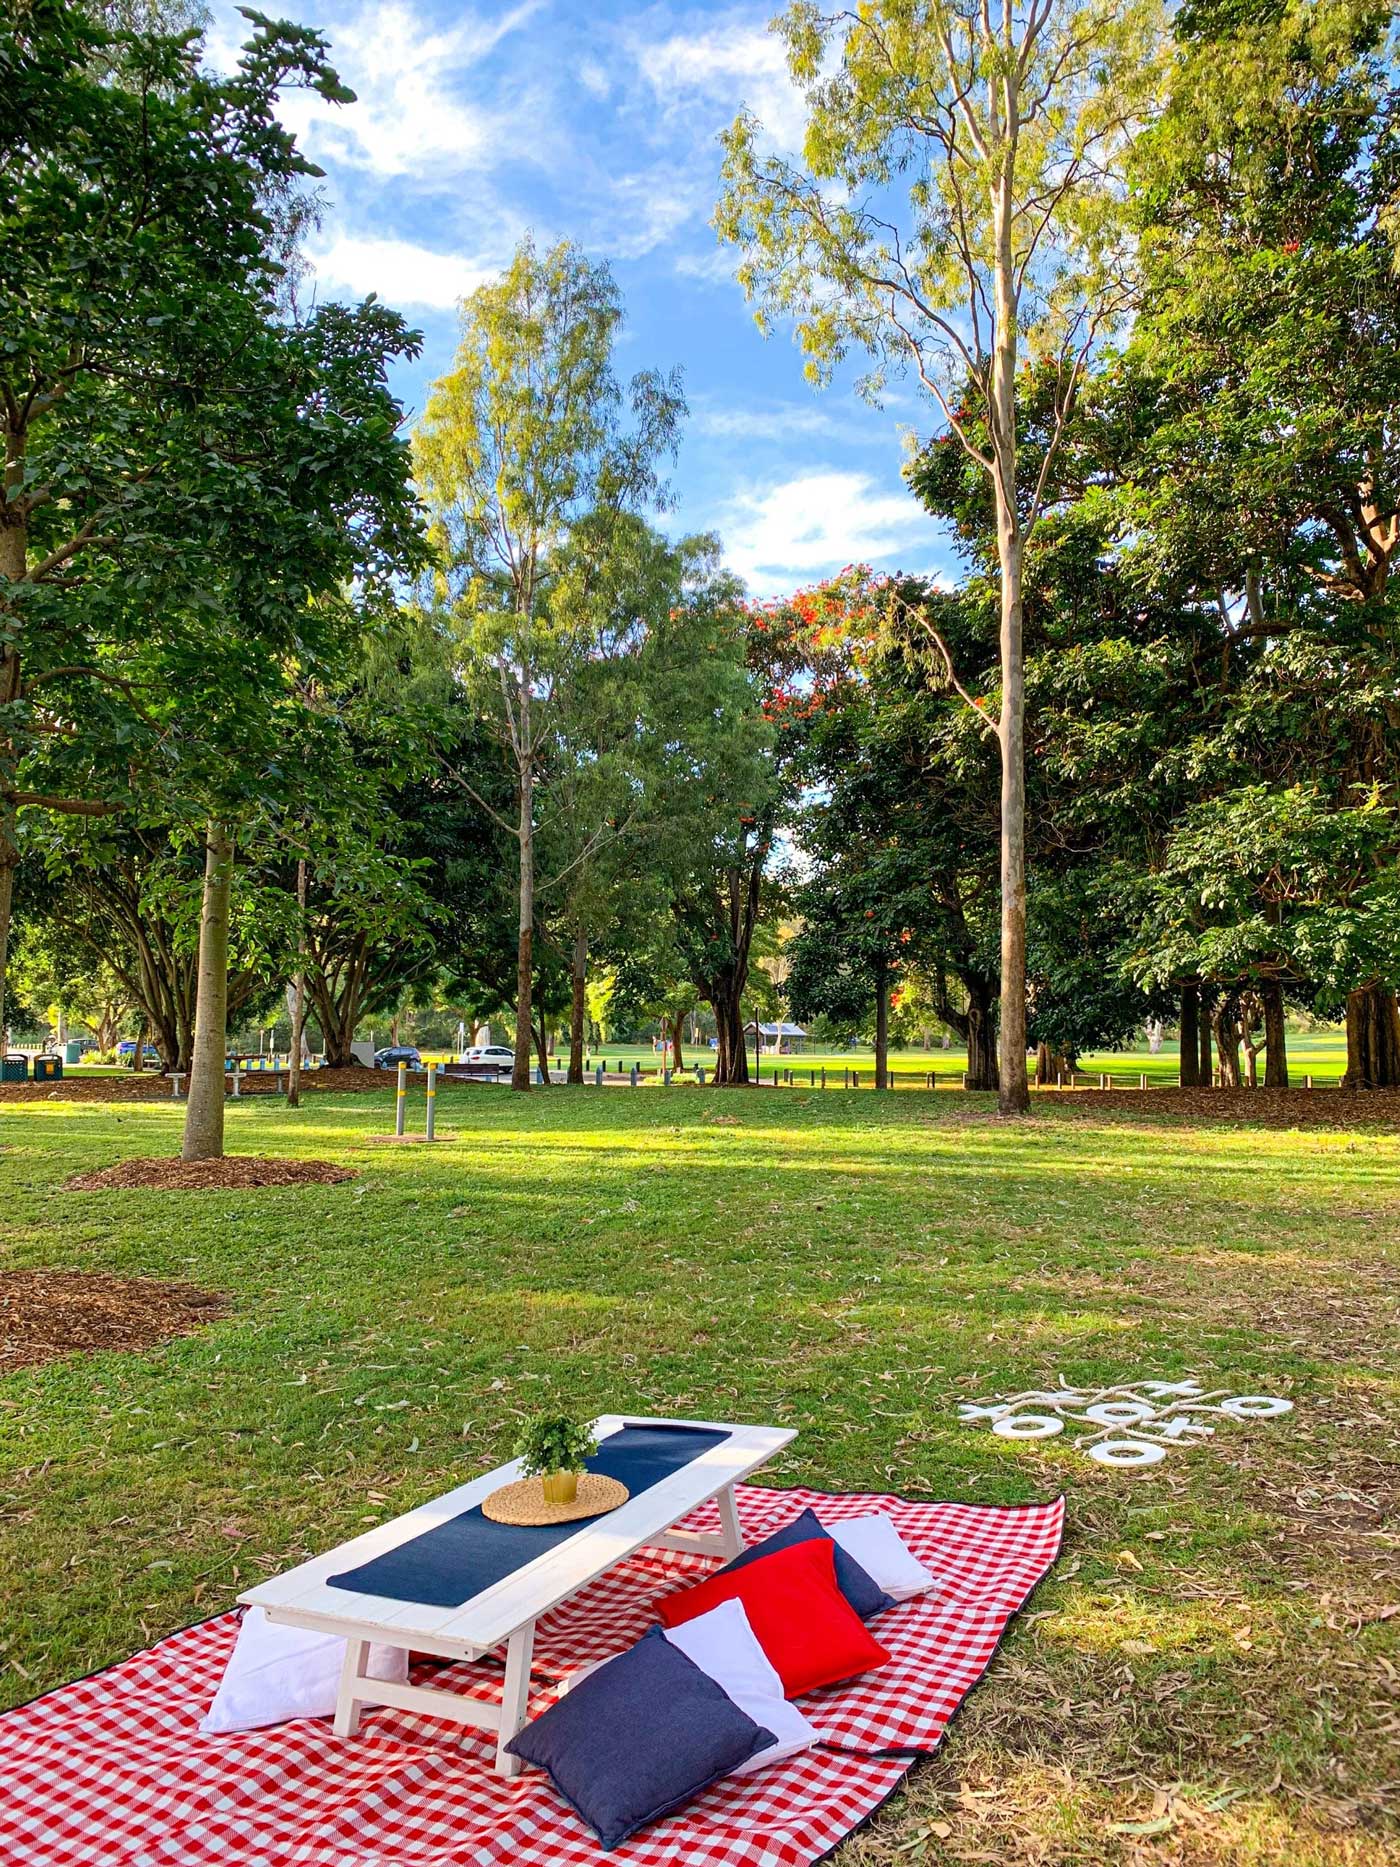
(800, 1618)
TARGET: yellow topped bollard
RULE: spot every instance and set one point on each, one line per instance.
(401, 1102)
(432, 1102)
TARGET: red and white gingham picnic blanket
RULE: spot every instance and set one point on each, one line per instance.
(111, 1771)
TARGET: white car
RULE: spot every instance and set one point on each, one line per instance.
(496, 1054)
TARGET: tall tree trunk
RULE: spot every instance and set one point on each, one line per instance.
(1044, 1069)
(525, 953)
(678, 1042)
(1275, 1037)
(9, 857)
(1373, 1039)
(579, 1009)
(1225, 1026)
(1207, 1065)
(882, 1026)
(732, 1058)
(542, 1049)
(14, 564)
(1251, 1054)
(1190, 1040)
(1013, 1091)
(298, 994)
(204, 1113)
(981, 1040)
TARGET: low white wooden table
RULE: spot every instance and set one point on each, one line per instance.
(505, 1613)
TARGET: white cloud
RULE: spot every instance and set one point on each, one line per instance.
(400, 272)
(812, 525)
(417, 88)
(594, 78)
(723, 68)
(717, 266)
(645, 210)
(781, 422)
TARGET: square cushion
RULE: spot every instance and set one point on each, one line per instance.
(722, 1644)
(276, 1673)
(883, 1554)
(861, 1590)
(809, 1631)
(646, 1731)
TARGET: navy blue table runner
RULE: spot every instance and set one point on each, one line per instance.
(456, 1560)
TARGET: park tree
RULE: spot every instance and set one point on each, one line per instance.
(194, 477)
(644, 728)
(1265, 478)
(1268, 893)
(955, 212)
(845, 960)
(534, 463)
(55, 976)
(122, 900)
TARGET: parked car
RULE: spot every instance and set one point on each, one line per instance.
(127, 1048)
(394, 1054)
(494, 1054)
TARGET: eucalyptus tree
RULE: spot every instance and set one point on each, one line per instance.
(954, 212)
(534, 462)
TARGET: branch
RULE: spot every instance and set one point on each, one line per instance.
(68, 806)
(947, 655)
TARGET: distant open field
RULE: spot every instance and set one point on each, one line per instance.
(1321, 1054)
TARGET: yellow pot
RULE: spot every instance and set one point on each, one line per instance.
(560, 1487)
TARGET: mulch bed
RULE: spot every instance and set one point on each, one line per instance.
(234, 1171)
(1253, 1108)
(47, 1314)
(148, 1087)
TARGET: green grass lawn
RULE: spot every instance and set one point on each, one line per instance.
(1211, 1675)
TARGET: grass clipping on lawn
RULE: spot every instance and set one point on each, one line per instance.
(233, 1172)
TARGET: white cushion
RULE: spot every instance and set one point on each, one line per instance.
(722, 1644)
(884, 1555)
(276, 1673)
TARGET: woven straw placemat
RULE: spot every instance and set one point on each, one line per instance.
(523, 1502)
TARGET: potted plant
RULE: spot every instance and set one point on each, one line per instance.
(554, 1448)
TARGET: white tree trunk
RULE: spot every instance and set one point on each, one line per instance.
(204, 1113)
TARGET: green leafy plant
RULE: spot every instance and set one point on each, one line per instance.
(552, 1442)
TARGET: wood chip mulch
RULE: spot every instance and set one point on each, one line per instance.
(234, 1172)
(48, 1314)
(1253, 1108)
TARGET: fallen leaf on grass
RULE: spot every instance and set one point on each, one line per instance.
(932, 1831)
(1157, 1825)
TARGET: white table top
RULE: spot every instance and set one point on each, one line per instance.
(303, 1597)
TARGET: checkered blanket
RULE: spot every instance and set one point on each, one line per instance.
(111, 1771)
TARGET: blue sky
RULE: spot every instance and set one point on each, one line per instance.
(598, 121)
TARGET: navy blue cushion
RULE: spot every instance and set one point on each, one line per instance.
(646, 1731)
(865, 1596)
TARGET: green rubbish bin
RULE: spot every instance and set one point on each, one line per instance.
(47, 1069)
(73, 1051)
(14, 1069)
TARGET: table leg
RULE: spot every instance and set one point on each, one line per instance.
(516, 1696)
(347, 1705)
(732, 1535)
